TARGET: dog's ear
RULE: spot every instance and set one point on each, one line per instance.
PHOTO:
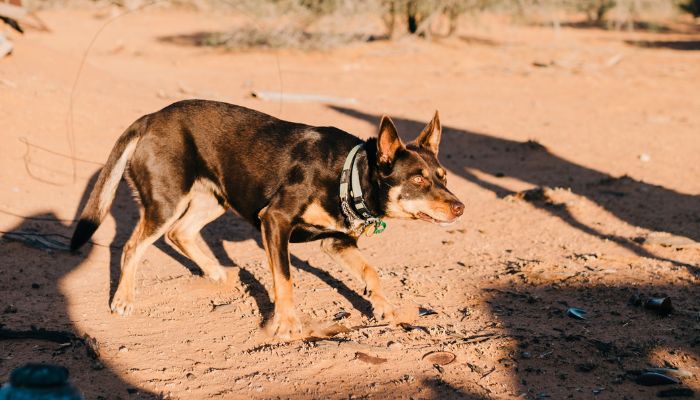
(388, 142)
(430, 137)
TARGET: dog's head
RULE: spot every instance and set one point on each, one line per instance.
(411, 177)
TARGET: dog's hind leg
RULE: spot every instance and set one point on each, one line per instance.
(184, 234)
(156, 218)
(346, 253)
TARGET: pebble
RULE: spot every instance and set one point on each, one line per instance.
(394, 345)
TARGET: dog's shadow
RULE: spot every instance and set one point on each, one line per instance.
(226, 228)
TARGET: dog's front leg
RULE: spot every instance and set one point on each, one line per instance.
(345, 252)
(276, 229)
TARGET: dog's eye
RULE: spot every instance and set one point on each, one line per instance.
(418, 179)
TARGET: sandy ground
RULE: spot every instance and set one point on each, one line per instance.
(611, 127)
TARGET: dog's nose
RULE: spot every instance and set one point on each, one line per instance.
(457, 208)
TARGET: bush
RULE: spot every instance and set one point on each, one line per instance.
(596, 9)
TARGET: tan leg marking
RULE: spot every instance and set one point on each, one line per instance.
(144, 235)
(351, 258)
(285, 323)
(184, 234)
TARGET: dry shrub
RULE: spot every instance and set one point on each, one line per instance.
(250, 37)
(303, 24)
(610, 14)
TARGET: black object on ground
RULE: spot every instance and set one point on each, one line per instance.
(661, 305)
(423, 312)
(576, 313)
(39, 382)
(655, 379)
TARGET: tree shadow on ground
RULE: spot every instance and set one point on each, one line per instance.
(653, 207)
(637, 25)
(32, 298)
(687, 45)
(554, 355)
(262, 38)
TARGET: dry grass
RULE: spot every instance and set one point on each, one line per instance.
(325, 24)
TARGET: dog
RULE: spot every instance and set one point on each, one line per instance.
(193, 160)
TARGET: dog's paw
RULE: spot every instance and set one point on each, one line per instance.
(382, 309)
(122, 305)
(285, 326)
(216, 273)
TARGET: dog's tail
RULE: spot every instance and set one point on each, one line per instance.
(103, 193)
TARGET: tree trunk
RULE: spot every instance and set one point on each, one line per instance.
(412, 18)
(390, 18)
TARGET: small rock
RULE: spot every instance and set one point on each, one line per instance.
(10, 309)
(5, 46)
(35, 286)
(342, 314)
(394, 345)
(644, 157)
(585, 367)
(364, 357)
(92, 348)
(96, 365)
(636, 300)
(542, 64)
(123, 349)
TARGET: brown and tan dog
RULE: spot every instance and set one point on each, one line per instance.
(191, 161)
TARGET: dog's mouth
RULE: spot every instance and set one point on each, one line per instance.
(428, 218)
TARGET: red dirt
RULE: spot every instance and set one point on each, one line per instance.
(617, 142)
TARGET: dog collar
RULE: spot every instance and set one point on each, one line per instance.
(351, 197)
